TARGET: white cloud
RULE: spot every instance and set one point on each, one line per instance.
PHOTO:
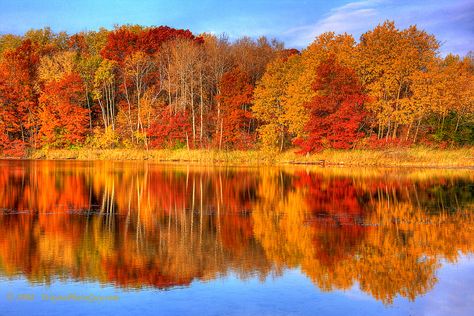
(353, 18)
(451, 21)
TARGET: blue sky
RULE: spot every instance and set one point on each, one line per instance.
(295, 22)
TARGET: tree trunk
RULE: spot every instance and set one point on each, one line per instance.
(416, 132)
(89, 107)
(282, 139)
(388, 131)
(457, 123)
(408, 131)
(220, 140)
(202, 109)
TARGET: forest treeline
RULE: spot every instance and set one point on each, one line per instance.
(160, 87)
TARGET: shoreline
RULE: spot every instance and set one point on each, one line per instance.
(406, 157)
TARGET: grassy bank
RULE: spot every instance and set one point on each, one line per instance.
(412, 157)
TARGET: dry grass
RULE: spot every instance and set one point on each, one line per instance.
(409, 157)
(413, 157)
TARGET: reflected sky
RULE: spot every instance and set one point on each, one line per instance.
(290, 294)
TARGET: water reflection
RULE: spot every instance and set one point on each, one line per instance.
(140, 225)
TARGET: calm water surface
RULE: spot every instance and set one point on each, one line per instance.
(122, 237)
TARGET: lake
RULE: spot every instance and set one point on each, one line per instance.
(113, 238)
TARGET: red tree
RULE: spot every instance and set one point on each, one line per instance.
(18, 99)
(62, 118)
(336, 112)
(169, 130)
(151, 39)
(78, 43)
(235, 98)
(124, 41)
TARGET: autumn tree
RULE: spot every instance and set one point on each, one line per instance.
(268, 105)
(62, 117)
(18, 96)
(235, 99)
(47, 40)
(9, 42)
(387, 59)
(443, 98)
(87, 60)
(252, 56)
(144, 66)
(218, 61)
(303, 73)
(120, 43)
(170, 130)
(185, 81)
(54, 67)
(104, 92)
(336, 111)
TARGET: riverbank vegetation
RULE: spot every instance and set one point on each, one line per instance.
(411, 157)
(130, 91)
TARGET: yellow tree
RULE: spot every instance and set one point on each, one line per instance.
(460, 84)
(387, 58)
(53, 68)
(441, 91)
(268, 101)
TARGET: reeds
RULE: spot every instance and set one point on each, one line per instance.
(409, 157)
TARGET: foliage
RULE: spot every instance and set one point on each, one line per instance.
(170, 131)
(112, 87)
(299, 90)
(62, 119)
(103, 139)
(235, 98)
(18, 97)
(268, 105)
(336, 111)
(388, 59)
